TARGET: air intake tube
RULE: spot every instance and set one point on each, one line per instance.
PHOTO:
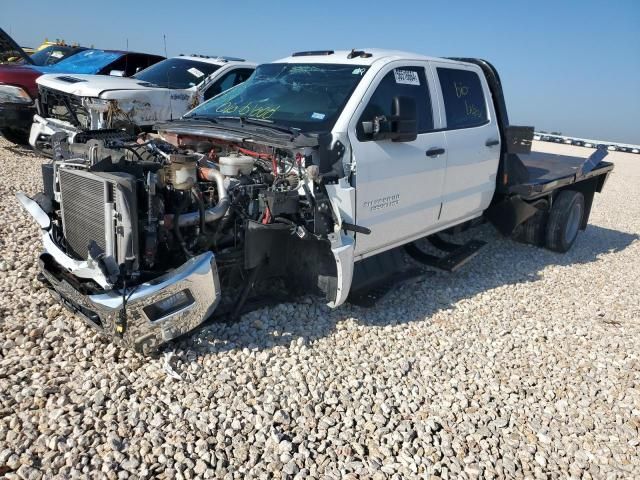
(212, 214)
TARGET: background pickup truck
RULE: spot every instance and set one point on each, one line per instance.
(307, 177)
(75, 104)
(18, 89)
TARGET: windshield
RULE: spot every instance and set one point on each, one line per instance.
(177, 73)
(308, 97)
(87, 61)
(53, 54)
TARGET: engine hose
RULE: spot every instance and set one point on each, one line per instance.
(196, 196)
(251, 153)
(291, 223)
(176, 227)
(224, 223)
(211, 214)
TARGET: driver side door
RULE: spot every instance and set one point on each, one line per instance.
(398, 184)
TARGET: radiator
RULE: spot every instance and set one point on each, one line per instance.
(101, 207)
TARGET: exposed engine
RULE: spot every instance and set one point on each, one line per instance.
(142, 207)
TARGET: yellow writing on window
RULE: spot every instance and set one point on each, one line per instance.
(472, 110)
(249, 110)
(461, 89)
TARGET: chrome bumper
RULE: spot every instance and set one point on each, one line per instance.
(156, 311)
(195, 285)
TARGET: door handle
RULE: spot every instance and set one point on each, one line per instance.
(492, 142)
(434, 152)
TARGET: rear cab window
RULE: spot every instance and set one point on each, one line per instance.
(399, 82)
(228, 80)
(464, 102)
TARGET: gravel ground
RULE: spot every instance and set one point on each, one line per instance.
(524, 364)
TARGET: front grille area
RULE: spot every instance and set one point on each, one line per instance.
(99, 206)
(83, 210)
(63, 106)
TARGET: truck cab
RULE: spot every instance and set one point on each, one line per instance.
(407, 188)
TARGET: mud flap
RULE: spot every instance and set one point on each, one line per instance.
(343, 256)
(510, 213)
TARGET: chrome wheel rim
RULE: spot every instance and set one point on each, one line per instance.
(573, 222)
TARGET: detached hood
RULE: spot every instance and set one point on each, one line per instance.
(10, 49)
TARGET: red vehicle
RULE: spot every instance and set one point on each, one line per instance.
(18, 74)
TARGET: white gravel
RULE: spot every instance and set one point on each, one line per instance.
(524, 364)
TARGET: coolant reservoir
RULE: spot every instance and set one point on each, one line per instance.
(235, 164)
(182, 171)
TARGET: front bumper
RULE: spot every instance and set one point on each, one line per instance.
(198, 277)
(156, 311)
(16, 116)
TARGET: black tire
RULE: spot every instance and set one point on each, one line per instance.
(564, 220)
(15, 136)
(533, 231)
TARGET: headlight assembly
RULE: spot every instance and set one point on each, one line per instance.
(11, 94)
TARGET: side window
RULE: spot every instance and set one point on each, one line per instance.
(464, 101)
(129, 64)
(400, 82)
(120, 65)
(137, 63)
(231, 79)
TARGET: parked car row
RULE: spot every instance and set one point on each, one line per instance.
(558, 138)
(18, 87)
(75, 104)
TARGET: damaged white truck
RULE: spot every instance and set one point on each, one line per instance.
(305, 178)
(89, 105)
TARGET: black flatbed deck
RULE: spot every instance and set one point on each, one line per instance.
(549, 171)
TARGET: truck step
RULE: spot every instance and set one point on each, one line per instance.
(457, 256)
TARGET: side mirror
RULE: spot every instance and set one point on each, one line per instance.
(117, 73)
(404, 119)
(400, 126)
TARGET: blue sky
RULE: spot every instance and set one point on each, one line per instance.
(571, 66)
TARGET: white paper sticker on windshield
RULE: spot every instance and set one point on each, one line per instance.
(318, 116)
(57, 54)
(407, 77)
(358, 71)
(195, 72)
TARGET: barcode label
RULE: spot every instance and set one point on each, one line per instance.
(407, 77)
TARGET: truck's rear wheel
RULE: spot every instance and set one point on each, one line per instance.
(564, 220)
